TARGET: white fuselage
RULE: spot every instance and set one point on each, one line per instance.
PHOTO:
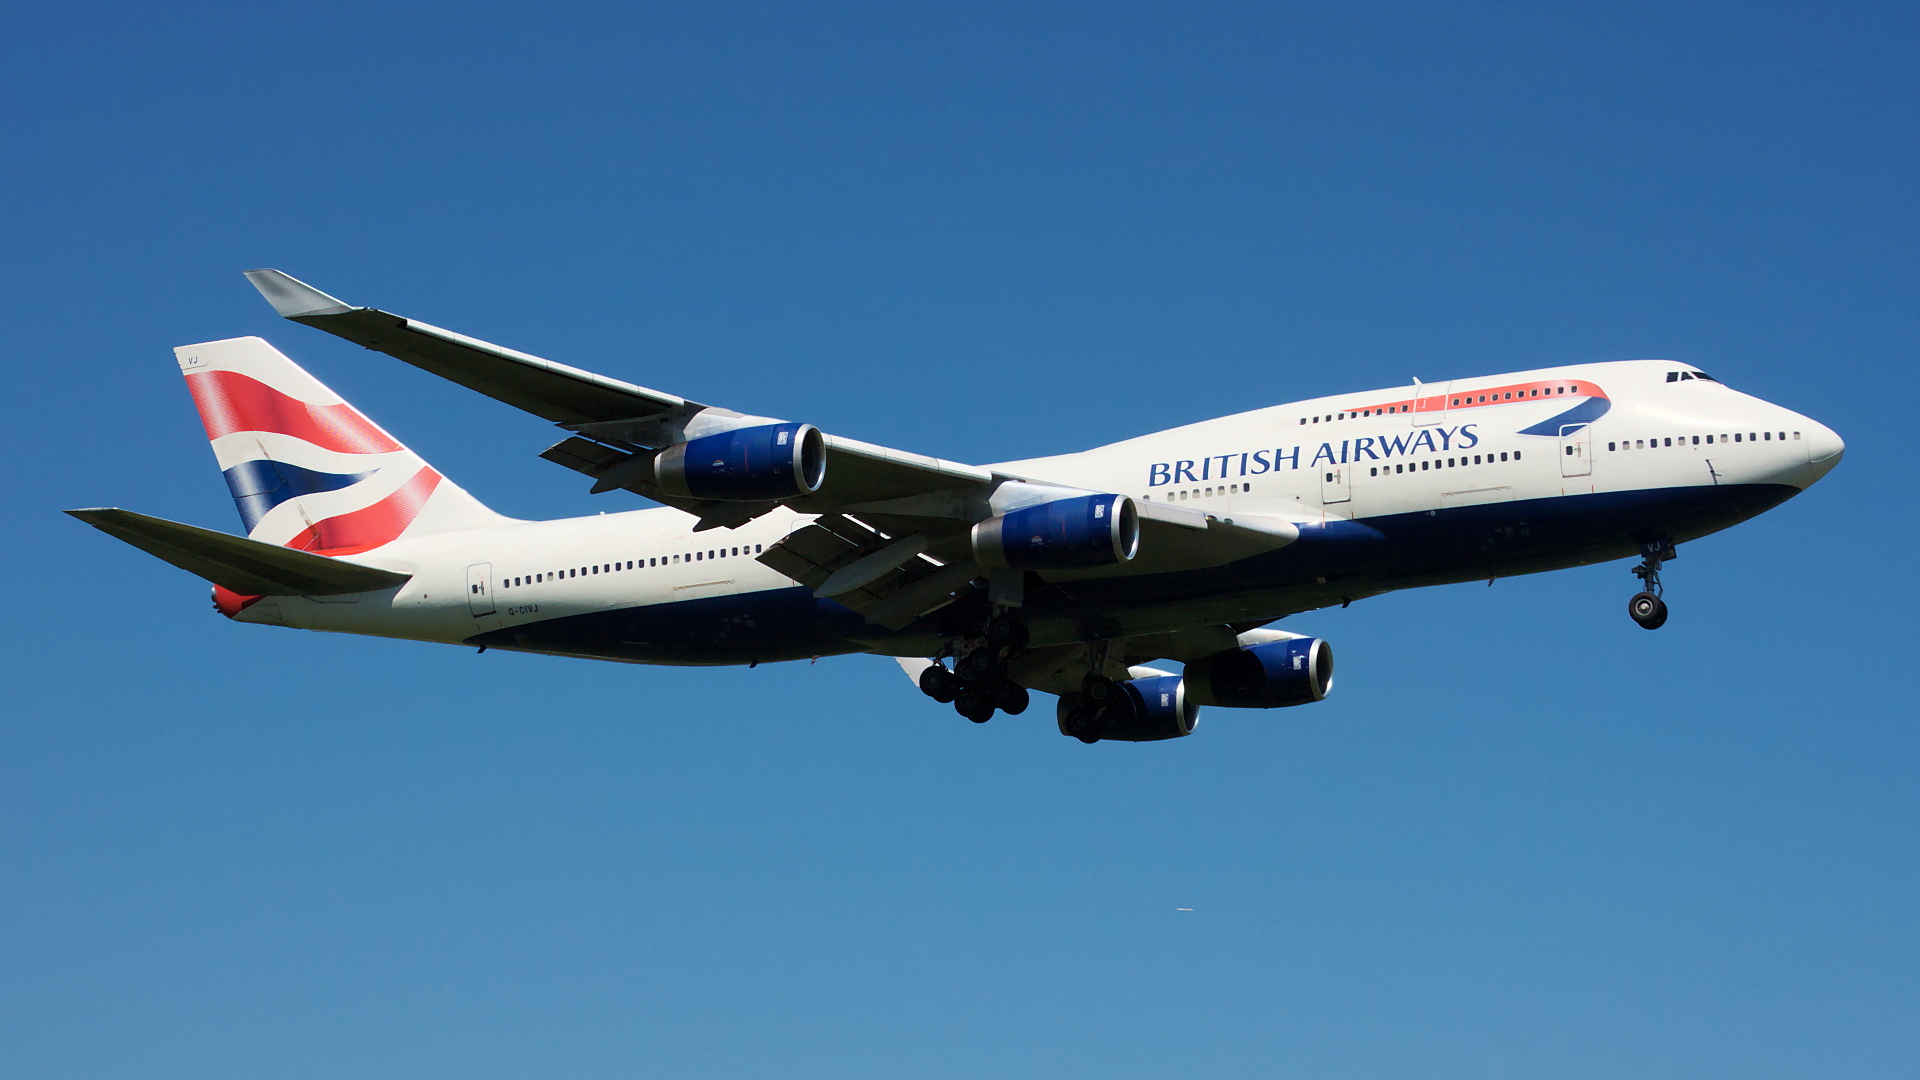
(1368, 457)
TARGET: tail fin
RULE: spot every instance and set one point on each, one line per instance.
(307, 470)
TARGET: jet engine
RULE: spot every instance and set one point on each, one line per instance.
(770, 461)
(1065, 534)
(1140, 710)
(1271, 675)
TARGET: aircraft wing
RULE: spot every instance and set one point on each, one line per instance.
(613, 419)
(892, 536)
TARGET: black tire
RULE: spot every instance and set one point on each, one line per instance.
(1007, 632)
(1648, 610)
(1012, 698)
(980, 665)
(1101, 691)
(939, 684)
(973, 704)
(1078, 723)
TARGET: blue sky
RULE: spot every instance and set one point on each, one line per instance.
(1523, 837)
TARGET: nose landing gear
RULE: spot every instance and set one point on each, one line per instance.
(1647, 608)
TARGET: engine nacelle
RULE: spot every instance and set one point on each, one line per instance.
(1065, 534)
(1273, 675)
(1149, 710)
(771, 461)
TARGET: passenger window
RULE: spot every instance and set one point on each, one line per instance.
(1503, 455)
(1516, 455)
(756, 547)
(1423, 466)
(1736, 436)
(1610, 448)
(1767, 435)
(1669, 442)
(1796, 435)
(1696, 440)
(1399, 468)
(1373, 472)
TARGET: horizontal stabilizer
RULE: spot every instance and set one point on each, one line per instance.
(248, 567)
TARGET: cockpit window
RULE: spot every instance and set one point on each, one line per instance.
(1683, 376)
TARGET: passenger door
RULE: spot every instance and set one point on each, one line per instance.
(1575, 450)
(480, 589)
(1333, 484)
(1429, 402)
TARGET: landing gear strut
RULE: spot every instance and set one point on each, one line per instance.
(977, 684)
(1647, 608)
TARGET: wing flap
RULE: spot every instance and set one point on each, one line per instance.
(831, 552)
(245, 566)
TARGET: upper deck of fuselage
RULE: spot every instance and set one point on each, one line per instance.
(1537, 402)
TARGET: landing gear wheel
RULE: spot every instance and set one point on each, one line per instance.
(1076, 720)
(1101, 692)
(1648, 610)
(1011, 698)
(939, 684)
(978, 665)
(1006, 632)
(974, 704)
(1646, 607)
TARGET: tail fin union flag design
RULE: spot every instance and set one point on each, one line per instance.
(231, 402)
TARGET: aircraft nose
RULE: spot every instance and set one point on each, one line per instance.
(1824, 448)
(1823, 444)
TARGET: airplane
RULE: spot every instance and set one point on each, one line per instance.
(1067, 575)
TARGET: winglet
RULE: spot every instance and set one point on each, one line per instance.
(292, 297)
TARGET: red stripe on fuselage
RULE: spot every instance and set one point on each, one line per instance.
(229, 401)
(1484, 396)
(372, 526)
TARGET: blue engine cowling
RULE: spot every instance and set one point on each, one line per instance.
(1297, 671)
(1149, 710)
(771, 461)
(1066, 534)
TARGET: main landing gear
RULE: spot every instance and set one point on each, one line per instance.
(977, 684)
(1647, 608)
(1083, 714)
